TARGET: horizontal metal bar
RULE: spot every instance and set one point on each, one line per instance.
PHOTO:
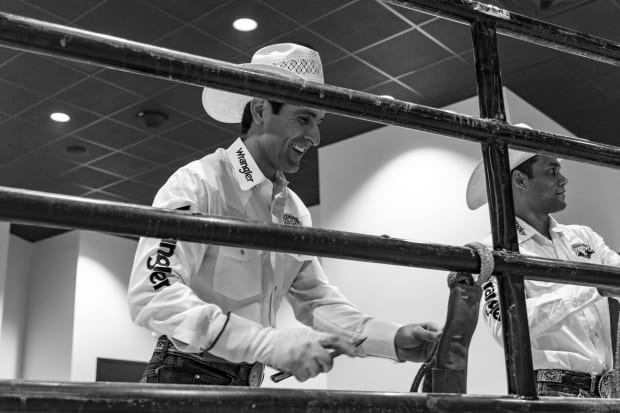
(121, 54)
(30, 396)
(40, 208)
(521, 27)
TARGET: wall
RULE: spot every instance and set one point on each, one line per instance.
(13, 326)
(49, 324)
(102, 326)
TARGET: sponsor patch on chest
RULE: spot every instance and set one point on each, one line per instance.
(582, 249)
(289, 219)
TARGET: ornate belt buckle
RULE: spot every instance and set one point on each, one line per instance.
(605, 383)
(255, 378)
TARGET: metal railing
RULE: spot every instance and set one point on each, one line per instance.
(490, 130)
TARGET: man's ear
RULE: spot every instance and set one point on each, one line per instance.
(257, 108)
(519, 180)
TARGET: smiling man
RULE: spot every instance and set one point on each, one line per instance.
(214, 306)
(569, 324)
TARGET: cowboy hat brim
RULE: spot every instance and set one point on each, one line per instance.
(227, 106)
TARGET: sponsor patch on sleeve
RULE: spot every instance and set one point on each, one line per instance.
(491, 301)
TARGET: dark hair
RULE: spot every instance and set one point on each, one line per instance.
(246, 119)
(526, 167)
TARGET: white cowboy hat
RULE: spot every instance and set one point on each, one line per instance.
(288, 60)
(476, 194)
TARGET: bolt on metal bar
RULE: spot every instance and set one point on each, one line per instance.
(518, 355)
(520, 27)
(121, 54)
(63, 211)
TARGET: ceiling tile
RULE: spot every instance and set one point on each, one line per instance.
(416, 51)
(97, 96)
(40, 114)
(516, 55)
(414, 17)
(104, 196)
(307, 11)
(22, 8)
(156, 177)
(89, 177)
(6, 53)
(33, 168)
(62, 149)
(190, 40)
(219, 24)
(143, 85)
(24, 135)
(67, 9)
(14, 99)
(353, 74)
(132, 20)
(601, 20)
(8, 153)
(158, 150)
(122, 164)
(454, 35)
(199, 135)
(397, 91)
(112, 134)
(132, 190)
(372, 23)
(184, 98)
(39, 74)
(188, 10)
(129, 116)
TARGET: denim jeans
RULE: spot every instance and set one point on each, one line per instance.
(169, 366)
(561, 390)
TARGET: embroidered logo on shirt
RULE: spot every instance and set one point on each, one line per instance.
(245, 170)
(521, 230)
(160, 264)
(289, 219)
(491, 301)
(582, 250)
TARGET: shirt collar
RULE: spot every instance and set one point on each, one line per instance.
(525, 231)
(245, 170)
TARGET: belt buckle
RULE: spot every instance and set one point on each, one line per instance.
(255, 378)
(605, 383)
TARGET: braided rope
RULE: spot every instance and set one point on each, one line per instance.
(487, 261)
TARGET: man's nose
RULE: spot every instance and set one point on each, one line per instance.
(314, 136)
(563, 180)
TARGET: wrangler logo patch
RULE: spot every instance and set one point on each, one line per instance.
(159, 264)
(521, 230)
(491, 301)
(582, 250)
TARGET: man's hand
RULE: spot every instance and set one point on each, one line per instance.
(414, 342)
(302, 352)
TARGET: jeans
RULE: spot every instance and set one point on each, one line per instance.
(561, 390)
(172, 366)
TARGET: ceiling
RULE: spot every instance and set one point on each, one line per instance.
(107, 152)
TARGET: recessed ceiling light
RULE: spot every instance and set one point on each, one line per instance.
(245, 24)
(60, 117)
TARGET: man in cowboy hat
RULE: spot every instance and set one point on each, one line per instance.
(214, 306)
(569, 324)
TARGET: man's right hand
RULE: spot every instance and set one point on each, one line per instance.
(302, 352)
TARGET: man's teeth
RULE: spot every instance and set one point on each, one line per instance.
(299, 148)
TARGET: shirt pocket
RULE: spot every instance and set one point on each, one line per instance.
(238, 273)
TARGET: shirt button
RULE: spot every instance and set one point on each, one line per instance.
(197, 376)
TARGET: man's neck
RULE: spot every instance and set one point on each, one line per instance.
(540, 222)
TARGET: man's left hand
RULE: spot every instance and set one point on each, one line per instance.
(414, 342)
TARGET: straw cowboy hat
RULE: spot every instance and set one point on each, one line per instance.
(289, 60)
(476, 194)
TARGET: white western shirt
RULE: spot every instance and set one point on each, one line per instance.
(184, 289)
(569, 324)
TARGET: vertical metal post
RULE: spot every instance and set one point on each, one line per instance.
(501, 210)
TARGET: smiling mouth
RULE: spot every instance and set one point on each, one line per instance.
(300, 148)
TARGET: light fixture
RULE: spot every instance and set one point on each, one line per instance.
(245, 24)
(60, 117)
(152, 118)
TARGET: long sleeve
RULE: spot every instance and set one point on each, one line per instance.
(320, 305)
(159, 295)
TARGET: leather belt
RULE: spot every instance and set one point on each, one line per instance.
(251, 372)
(592, 383)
